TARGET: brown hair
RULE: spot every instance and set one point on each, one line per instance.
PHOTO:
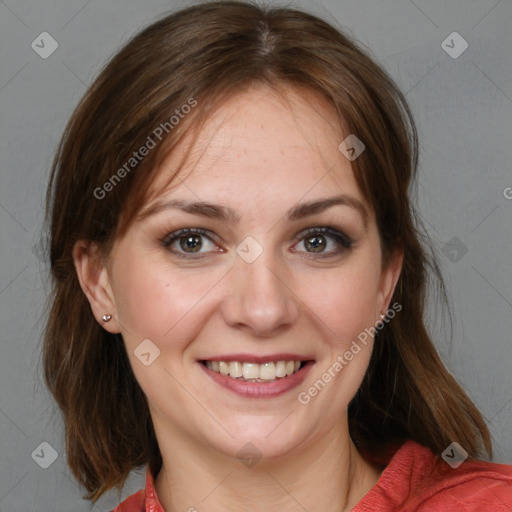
(205, 54)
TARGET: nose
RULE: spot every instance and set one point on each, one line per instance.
(259, 296)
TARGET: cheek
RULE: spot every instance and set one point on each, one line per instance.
(345, 302)
(154, 302)
(344, 299)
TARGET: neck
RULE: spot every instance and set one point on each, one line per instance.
(328, 474)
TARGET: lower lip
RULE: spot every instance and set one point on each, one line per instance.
(269, 389)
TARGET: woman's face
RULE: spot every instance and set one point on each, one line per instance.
(282, 264)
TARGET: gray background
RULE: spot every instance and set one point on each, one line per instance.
(463, 108)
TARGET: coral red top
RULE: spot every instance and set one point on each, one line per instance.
(414, 480)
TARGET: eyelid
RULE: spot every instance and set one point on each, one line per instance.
(340, 237)
(168, 239)
(344, 244)
(344, 241)
(172, 237)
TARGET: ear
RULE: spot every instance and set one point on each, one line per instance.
(94, 280)
(388, 280)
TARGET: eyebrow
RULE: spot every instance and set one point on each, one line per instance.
(229, 216)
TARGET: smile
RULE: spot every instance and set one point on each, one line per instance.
(257, 377)
(254, 372)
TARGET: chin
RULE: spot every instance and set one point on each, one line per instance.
(266, 436)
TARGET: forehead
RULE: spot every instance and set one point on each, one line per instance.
(277, 146)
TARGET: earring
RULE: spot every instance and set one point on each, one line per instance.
(106, 318)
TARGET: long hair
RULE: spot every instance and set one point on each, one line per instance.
(201, 56)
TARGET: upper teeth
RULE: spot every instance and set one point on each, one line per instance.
(265, 371)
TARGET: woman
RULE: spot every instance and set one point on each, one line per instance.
(239, 282)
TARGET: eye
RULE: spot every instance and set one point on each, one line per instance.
(324, 240)
(190, 241)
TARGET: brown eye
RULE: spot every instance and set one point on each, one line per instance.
(191, 243)
(315, 243)
(195, 242)
(324, 241)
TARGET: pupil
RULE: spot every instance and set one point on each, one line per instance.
(315, 243)
(191, 242)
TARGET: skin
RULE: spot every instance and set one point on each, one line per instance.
(260, 154)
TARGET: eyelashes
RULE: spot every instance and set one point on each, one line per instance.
(320, 233)
(189, 238)
(318, 242)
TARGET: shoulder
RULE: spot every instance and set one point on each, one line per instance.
(143, 500)
(134, 503)
(417, 480)
(473, 486)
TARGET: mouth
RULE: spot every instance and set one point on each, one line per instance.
(263, 378)
(254, 372)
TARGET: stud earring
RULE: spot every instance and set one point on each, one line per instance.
(106, 318)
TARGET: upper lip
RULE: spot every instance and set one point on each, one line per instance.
(254, 358)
